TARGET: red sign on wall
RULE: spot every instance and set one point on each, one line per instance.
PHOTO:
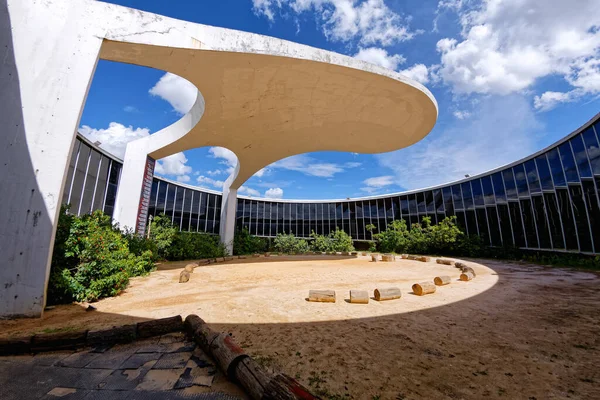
(142, 216)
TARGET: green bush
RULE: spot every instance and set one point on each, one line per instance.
(337, 240)
(162, 234)
(290, 244)
(91, 259)
(245, 243)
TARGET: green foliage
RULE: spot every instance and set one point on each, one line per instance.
(290, 244)
(162, 233)
(173, 245)
(92, 259)
(337, 240)
(245, 243)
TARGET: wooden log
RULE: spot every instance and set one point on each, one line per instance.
(228, 258)
(159, 327)
(322, 296)
(282, 387)
(374, 257)
(117, 334)
(184, 277)
(387, 294)
(203, 262)
(466, 276)
(459, 265)
(190, 268)
(404, 256)
(359, 297)
(242, 257)
(201, 332)
(227, 354)
(267, 254)
(387, 257)
(444, 261)
(423, 288)
(252, 377)
(423, 258)
(354, 253)
(442, 280)
(220, 259)
(364, 253)
(58, 341)
(469, 269)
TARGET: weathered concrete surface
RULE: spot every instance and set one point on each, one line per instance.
(167, 367)
(263, 98)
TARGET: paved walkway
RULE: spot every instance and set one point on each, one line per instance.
(166, 367)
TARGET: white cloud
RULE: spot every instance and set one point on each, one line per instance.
(179, 92)
(215, 172)
(507, 45)
(274, 193)
(549, 100)
(206, 181)
(114, 139)
(173, 165)
(501, 130)
(368, 21)
(249, 191)
(261, 172)
(130, 109)
(378, 56)
(308, 166)
(377, 183)
(227, 156)
(417, 72)
(183, 178)
(461, 114)
(352, 164)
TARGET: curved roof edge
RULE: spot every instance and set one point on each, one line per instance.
(379, 196)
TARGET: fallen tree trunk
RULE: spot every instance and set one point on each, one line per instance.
(322, 296)
(374, 257)
(359, 297)
(466, 276)
(444, 261)
(190, 268)
(442, 280)
(387, 294)
(387, 257)
(469, 269)
(184, 276)
(423, 288)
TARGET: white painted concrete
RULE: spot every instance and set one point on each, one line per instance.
(265, 99)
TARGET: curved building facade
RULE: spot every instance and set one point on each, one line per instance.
(547, 201)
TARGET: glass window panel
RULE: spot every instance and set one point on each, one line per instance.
(593, 150)
(498, 184)
(177, 211)
(477, 192)
(187, 207)
(389, 212)
(591, 199)
(488, 190)
(568, 162)
(558, 175)
(332, 216)
(494, 227)
(396, 208)
(267, 216)
(429, 201)
(78, 180)
(517, 223)
(438, 201)
(111, 190)
(532, 177)
(554, 220)
(203, 211)
(101, 186)
(568, 222)
(404, 206)
(153, 193)
(360, 224)
(161, 198)
(447, 196)
(581, 221)
(544, 172)
(471, 222)
(412, 204)
(467, 195)
(381, 215)
(521, 180)
(457, 197)
(505, 228)
(509, 184)
(421, 207)
(194, 211)
(293, 218)
(170, 204)
(90, 182)
(210, 216)
(581, 159)
(260, 219)
(69, 180)
(529, 224)
(461, 221)
(543, 230)
(313, 218)
(306, 232)
(482, 225)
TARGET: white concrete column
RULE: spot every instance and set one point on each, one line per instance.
(47, 58)
(228, 215)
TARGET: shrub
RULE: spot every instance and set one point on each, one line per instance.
(92, 259)
(337, 240)
(290, 244)
(162, 234)
(245, 243)
(191, 245)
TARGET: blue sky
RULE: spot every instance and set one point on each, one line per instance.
(510, 78)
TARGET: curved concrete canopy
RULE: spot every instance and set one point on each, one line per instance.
(265, 108)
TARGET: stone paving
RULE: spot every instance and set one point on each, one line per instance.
(165, 367)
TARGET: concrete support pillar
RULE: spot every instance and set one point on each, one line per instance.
(46, 64)
(228, 215)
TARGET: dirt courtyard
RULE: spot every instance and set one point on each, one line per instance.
(516, 331)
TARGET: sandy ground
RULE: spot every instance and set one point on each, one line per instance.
(516, 331)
